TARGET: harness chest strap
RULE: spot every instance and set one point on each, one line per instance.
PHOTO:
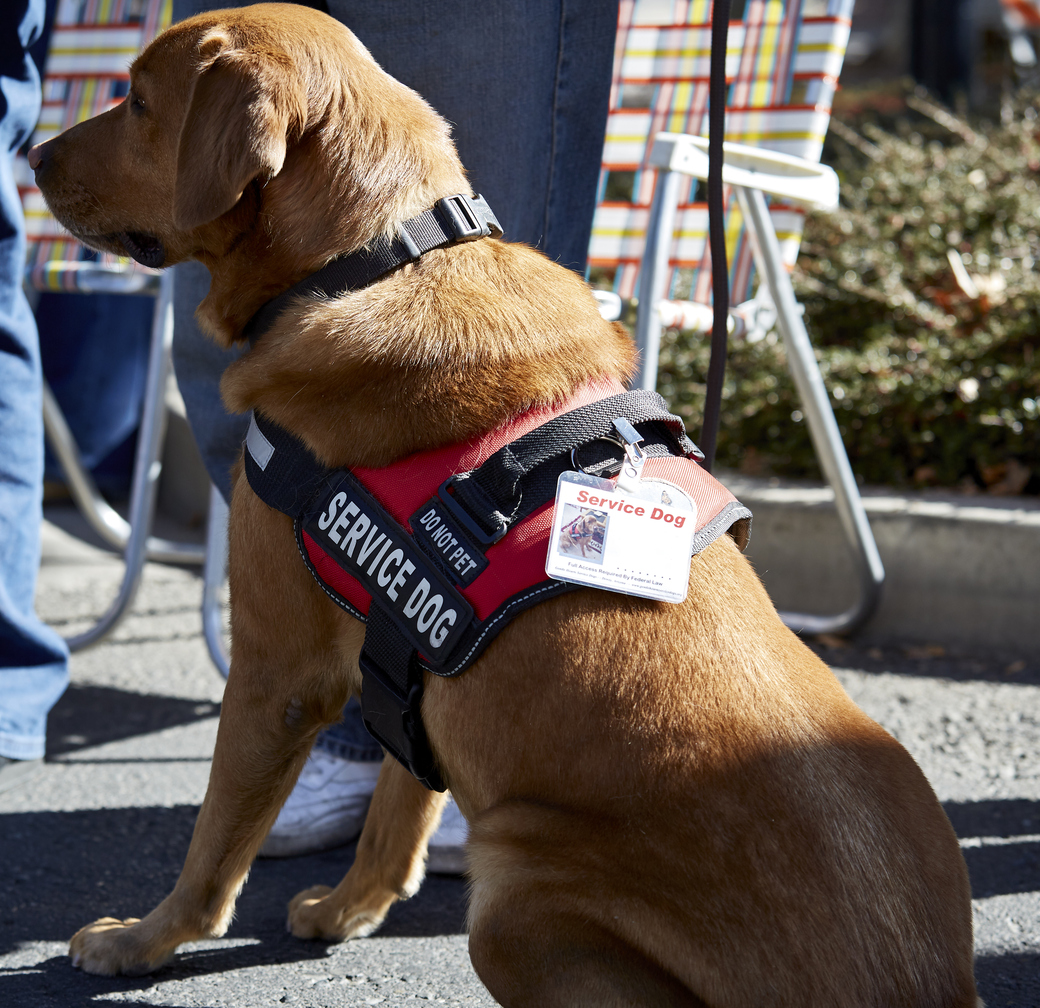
(437, 552)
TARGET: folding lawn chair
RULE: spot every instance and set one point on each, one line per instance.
(91, 47)
(783, 60)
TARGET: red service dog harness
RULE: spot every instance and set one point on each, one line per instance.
(438, 551)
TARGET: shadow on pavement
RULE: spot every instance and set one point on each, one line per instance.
(931, 661)
(93, 715)
(997, 817)
(1009, 981)
(999, 871)
(1004, 868)
(62, 870)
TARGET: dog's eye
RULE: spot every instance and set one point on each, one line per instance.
(136, 101)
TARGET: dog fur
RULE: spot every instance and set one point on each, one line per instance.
(670, 804)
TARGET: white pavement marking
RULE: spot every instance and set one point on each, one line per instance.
(1007, 924)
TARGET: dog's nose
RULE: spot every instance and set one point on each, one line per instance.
(35, 156)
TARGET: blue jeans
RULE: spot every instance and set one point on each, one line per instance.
(526, 88)
(33, 658)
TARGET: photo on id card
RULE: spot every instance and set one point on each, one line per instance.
(582, 532)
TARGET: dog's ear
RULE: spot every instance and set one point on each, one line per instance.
(236, 128)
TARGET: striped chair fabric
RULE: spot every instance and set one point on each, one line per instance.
(92, 45)
(782, 66)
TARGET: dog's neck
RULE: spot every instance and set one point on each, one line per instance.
(437, 352)
(460, 218)
(254, 264)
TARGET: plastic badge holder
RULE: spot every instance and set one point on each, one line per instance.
(633, 536)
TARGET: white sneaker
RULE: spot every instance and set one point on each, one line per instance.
(447, 850)
(326, 809)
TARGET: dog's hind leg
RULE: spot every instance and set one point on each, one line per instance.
(289, 677)
(548, 926)
(527, 956)
(389, 864)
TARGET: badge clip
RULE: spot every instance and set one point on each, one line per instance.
(632, 468)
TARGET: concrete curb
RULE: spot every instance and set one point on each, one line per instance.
(962, 571)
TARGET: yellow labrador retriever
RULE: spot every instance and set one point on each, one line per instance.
(670, 804)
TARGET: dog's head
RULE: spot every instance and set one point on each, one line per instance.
(265, 135)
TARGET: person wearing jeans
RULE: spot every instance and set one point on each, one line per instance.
(33, 658)
(526, 88)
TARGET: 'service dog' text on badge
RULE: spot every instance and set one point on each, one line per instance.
(633, 543)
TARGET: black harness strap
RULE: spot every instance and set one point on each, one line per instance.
(280, 467)
(521, 476)
(391, 697)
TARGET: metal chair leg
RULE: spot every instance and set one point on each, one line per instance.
(147, 468)
(214, 574)
(652, 275)
(108, 523)
(823, 428)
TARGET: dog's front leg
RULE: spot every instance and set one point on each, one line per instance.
(389, 865)
(258, 755)
(289, 677)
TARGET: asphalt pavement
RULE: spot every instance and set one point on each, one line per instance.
(103, 829)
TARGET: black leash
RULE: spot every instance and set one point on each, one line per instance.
(717, 231)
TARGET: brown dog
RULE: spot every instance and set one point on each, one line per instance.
(670, 804)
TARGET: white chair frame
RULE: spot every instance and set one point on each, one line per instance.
(753, 172)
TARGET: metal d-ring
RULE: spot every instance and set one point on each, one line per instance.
(602, 437)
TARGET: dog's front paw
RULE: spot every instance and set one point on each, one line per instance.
(315, 913)
(109, 947)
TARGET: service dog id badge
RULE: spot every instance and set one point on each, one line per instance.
(635, 541)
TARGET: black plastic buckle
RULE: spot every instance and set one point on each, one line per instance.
(468, 217)
(396, 723)
(463, 517)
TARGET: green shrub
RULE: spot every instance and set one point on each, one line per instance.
(934, 371)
